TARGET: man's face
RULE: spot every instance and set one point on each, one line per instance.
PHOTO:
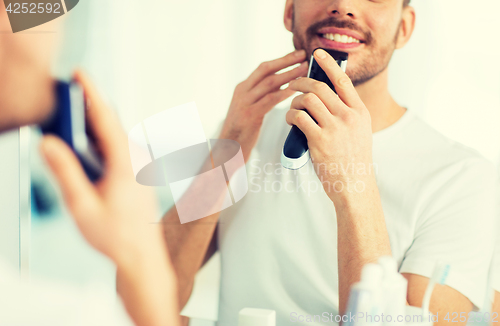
(26, 85)
(366, 29)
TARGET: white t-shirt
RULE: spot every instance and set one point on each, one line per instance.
(279, 243)
(42, 303)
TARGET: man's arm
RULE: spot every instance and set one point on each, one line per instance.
(444, 299)
(363, 241)
(189, 243)
(362, 237)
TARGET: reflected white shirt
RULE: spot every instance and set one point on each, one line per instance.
(279, 243)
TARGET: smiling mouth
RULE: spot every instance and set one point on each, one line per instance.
(346, 39)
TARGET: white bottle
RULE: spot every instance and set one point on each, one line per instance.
(394, 288)
(365, 297)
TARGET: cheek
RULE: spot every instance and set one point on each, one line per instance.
(383, 26)
(4, 23)
(307, 13)
(39, 45)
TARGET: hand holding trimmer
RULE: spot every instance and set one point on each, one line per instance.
(296, 151)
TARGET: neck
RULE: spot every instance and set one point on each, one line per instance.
(383, 108)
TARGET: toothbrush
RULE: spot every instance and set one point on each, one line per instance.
(439, 276)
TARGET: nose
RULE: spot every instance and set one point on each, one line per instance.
(341, 9)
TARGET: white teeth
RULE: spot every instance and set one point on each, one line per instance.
(340, 38)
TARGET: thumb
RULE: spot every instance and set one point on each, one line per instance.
(78, 192)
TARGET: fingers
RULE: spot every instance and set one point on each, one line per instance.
(274, 82)
(270, 100)
(314, 107)
(78, 192)
(304, 122)
(323, 92)
(104, 124)
(342, 83)
(271, 67)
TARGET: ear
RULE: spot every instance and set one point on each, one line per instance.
(407, 26)
(288, 19)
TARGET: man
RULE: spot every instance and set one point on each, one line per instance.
(381, 181)
(112, 215)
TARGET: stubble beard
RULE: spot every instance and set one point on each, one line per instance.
(368, 65)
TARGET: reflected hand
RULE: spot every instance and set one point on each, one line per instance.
(257, 95)
(115, 214)
(340, 142)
